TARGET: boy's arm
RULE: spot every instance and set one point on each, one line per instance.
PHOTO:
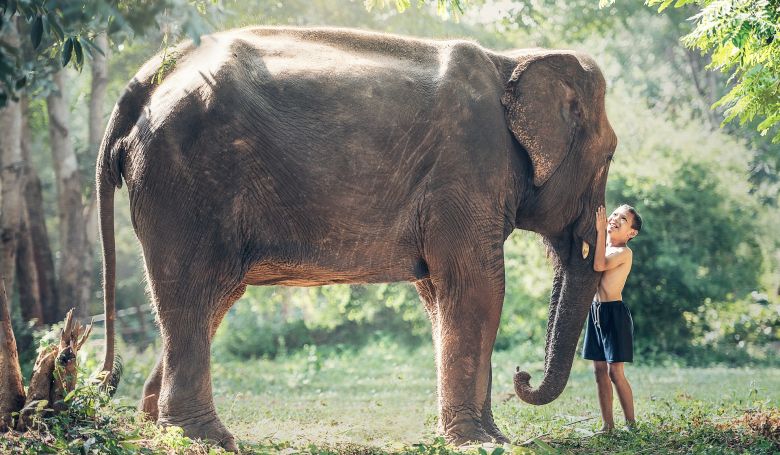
(602, 262)
(599, 257)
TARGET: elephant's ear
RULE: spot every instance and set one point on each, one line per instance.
(542, 109)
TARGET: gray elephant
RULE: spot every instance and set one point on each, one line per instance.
(307, 157)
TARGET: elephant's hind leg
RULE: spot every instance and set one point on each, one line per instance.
(189, 288)
(151, 394)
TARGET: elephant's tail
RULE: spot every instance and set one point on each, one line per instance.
(108, 177)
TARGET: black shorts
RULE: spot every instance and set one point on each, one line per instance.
(609, 334)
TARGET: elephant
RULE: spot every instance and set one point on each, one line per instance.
(316, 156)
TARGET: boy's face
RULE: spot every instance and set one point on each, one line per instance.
(619, 225)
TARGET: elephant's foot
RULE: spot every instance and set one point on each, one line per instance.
(497, 435)
(490, 428)
(149, 407)
(464, 428)
(207, 427)
(468, 436)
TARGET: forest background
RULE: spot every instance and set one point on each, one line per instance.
(705, 286)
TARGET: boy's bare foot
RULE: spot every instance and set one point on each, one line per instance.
(630, 425)
(607, 428)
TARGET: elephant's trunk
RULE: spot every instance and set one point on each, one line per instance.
(573, 288)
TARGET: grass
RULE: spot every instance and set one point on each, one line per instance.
(382, 399)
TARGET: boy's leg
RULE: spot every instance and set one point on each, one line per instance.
(601, 371)
(625, 395)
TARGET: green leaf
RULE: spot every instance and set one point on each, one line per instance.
(36, 32)
(55, 26)
(67, 50)
(402, 5)
(130, 445)
(11, 7)
(664, 4)
(79, 52)
(92, 48)
(544, 447)
(41, 405)
(70, 394)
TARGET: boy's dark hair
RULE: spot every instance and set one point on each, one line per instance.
(636, 224)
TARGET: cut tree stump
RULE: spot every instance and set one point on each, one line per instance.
(39, 391)
(72, 338)
(55, 373)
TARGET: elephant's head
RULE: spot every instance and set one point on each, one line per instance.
(555, 109)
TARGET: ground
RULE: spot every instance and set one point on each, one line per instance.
(382, 399)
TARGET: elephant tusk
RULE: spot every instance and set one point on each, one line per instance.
(585, 249)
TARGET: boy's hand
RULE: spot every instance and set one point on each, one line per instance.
(601, 219)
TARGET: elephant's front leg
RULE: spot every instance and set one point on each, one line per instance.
(487, 415)
(468, 306)
(465, 345)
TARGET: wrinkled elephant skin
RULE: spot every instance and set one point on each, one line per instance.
(305, 157)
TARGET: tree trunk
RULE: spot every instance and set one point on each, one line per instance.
(11, 387)
(74, 283)
(42, 254)
(11, 166)
(28, 283)
(97, 123)
(27, 275)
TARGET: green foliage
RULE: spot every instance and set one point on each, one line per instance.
(697, 244)
(93, 423)
(268, 321)
(445, 8)
(56, 34)
(741, 39)
(740, 329)
(528, 282)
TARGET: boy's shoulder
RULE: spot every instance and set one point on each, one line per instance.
(623, 254)
(620, 250)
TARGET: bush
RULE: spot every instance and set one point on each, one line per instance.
(269, 321)
(740, 331)
(698, 245)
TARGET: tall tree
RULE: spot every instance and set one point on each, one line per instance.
(72, 31)
(28, 283)
(11, 171)
(74, 283)
(97, 102)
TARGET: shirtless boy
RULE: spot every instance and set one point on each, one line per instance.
(610, 329)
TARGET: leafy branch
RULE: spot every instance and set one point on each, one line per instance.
(740, 36)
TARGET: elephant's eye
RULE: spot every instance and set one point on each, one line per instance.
(609, 157)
